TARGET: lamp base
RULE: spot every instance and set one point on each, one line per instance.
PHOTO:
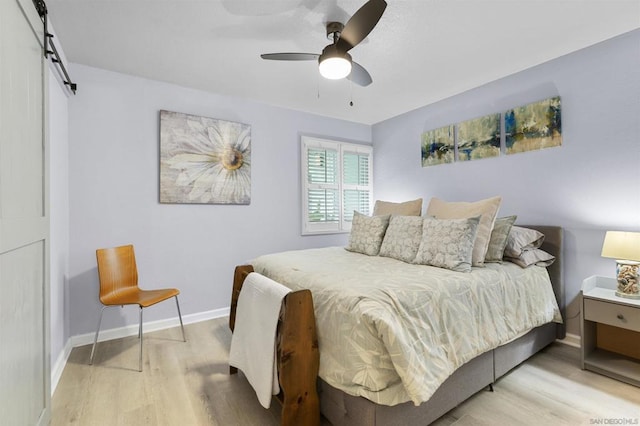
(627, 272)
(627, 295)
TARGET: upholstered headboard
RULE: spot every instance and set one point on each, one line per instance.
(553, 240)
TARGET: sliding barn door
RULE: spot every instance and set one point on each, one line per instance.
(24, 224)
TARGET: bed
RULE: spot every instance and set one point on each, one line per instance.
(397, 387)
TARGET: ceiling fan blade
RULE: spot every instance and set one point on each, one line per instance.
(359, 75)
(361, 24)
(290, 56)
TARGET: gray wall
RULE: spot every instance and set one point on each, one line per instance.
(113, 174)
(588, 185)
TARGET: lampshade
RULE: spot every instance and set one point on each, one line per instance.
(334, 64)
(621, 245)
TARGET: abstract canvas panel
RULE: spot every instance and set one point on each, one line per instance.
(479, 138)
(533, 126)
(204, 160)
(438, 146)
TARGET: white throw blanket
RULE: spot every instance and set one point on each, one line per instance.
(253, 344)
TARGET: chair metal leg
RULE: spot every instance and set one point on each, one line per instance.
(184, 339)
(140, 334)
(95, 340)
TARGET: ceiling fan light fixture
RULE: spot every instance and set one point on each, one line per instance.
(333, 64)
(335, 68)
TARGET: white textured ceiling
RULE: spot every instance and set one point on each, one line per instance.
(420, 52)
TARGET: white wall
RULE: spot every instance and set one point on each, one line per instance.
(113, 174)
(589, 185)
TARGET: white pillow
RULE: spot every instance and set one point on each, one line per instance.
(487, 210)
(448, 243)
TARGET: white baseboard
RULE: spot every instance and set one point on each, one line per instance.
(571, 340)
(58, 367)
(130, 330)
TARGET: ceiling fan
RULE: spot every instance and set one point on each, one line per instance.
(335, 61)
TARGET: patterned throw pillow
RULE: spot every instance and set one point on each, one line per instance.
(448, 243)
(486, 209)
(498, 240)
(402, 239)
(367, 233)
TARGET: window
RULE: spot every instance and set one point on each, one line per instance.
(336, 180)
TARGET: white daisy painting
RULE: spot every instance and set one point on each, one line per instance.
(204, 160)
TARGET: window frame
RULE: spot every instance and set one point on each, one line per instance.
(341, 147)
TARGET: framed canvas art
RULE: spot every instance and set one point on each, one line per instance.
(204, 160)
(534, 126)
(479, 138)
(438, 146)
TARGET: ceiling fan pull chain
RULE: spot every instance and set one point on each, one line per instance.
(351, 93)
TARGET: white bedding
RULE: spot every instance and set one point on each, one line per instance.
(393, 332)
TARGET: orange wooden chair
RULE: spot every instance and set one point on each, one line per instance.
(118, 277)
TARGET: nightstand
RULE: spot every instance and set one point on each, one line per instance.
(610, 328)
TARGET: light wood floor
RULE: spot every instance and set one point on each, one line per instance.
(188, 384)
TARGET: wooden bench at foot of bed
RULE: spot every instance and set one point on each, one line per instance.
(297, 354)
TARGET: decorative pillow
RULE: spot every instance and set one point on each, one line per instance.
(532, 256)
(522, 239)
(367, 233)
(486, 209)
(498, 240)
(402, 239)
(408, 208)
(448, 243)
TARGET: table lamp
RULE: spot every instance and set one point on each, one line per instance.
(625, 248)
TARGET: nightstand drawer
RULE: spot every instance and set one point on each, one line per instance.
(613, 314)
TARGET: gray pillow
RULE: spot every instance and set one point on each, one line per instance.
(532, 256)
(367, 233)
(522, 239)
(402, 239)
(448, 243)
(498, 240)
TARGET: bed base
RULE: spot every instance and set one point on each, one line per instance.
(476, 375)
(303, 398)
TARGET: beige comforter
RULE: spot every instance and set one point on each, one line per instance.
(393, 332)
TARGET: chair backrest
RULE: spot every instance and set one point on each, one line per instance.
(116, 269)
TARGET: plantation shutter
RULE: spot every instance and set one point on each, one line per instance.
(336, 180)
(356, 189)
(322, 178)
